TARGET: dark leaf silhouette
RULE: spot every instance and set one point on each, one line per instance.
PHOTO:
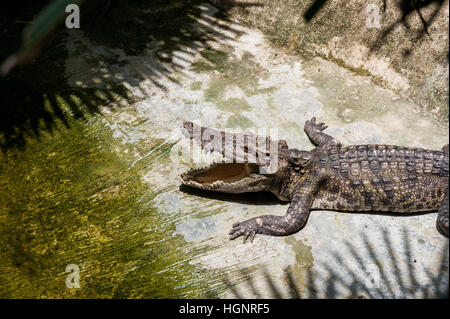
(392, 284)
(36, 98)
(406, 7)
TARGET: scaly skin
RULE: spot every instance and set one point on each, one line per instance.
(373, 178)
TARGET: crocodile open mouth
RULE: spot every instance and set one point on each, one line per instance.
(253, 166)
(226, 172)
(226, 177)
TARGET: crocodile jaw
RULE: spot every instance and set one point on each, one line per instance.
(228, 178)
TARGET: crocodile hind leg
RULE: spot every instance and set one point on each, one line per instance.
(442, 219)
(315, 134)
(294, 220)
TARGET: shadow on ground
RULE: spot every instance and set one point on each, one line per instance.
(258, 198)
(35, 98)
(407, 8)
(397, 283)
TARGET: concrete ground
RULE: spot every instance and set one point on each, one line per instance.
(237, 80)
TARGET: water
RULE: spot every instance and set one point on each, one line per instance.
(73, 199)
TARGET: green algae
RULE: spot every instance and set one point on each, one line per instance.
(357, 70)
(234, 105)
(267, 90)
(196, 86)
(304, 261)
(75, 199)
(213, 60)
(240, 121)
(228, 70)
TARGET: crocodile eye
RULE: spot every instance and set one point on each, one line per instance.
(294, 161)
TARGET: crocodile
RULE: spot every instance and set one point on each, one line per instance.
(367, 178)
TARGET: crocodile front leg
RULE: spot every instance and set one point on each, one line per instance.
(442, 219)
(315, 134)
(294, 220)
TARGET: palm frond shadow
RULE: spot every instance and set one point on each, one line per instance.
(407, 8)
(340, 275)
(37, 98)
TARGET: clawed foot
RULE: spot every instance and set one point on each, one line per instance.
(312, 125)
(248, 229)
